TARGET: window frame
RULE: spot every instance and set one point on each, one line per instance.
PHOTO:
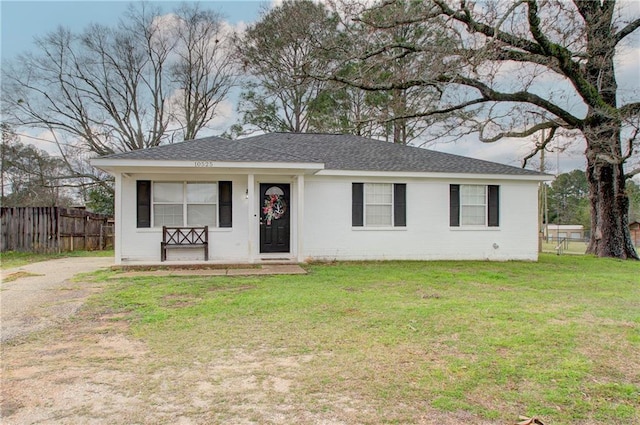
(366, 205)
(485, 205)
(185, 203)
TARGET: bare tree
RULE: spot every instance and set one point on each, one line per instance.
(514, 69)
(110, 87)
(105, 87)
(204, 71)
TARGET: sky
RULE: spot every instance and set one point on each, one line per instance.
(22, 21)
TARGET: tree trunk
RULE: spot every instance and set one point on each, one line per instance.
(610, 234)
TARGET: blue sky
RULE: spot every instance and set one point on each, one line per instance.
(22, 21)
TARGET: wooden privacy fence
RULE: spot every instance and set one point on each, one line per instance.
(53, 229)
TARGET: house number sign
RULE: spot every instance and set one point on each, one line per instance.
(204, 164)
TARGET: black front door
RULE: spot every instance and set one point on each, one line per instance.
(274, 217)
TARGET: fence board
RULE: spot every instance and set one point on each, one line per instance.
(51, 229)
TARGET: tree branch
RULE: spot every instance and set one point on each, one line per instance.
(631, 27)
(632, 173)
(524, 133)
(489, 31)
(488, 93)
(540, 146)
(629, 110)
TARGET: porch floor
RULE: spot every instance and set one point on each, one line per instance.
(261, 270)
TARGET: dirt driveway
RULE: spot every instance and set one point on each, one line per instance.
(38, 295)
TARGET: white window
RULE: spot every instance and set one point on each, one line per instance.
(473, 205)
(185, 204)
(378, 204)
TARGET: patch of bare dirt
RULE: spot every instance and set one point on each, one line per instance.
(90, 371)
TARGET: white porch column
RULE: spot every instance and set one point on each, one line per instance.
(252, 217)
(300, 218)
(117, 216)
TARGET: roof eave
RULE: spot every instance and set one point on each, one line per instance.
(114, 166)
(437, 175)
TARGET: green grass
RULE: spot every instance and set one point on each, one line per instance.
(558, 339)
(11, 259)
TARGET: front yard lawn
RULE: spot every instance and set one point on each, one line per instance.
(396, 342)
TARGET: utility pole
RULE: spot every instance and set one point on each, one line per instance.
(542, 201)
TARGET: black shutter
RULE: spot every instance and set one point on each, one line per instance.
(399, 205)
(454, 205)
(225, 203)
(494, 206)
(357, 204)
(143, 203)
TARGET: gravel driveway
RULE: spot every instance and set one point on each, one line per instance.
(43, 294)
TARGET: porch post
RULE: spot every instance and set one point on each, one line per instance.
(300, 218)
(117, 219)
(251, 218)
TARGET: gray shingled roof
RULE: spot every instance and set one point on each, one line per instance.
(335, 151)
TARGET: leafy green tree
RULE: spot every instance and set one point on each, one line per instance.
(274, 53)
(397, 109)
(30, 176)
(568, 199)
(100, 199)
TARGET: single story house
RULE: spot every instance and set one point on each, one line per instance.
(302, 197)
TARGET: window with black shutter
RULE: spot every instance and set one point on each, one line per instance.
(180, 203)
(379, 205)
(474, 205)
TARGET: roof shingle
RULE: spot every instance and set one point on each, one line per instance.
(335, 151)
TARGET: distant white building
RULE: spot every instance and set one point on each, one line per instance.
(556, 232)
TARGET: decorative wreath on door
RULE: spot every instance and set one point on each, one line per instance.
(274, 208)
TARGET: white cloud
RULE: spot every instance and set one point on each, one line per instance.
(511, 151)
(43, 140)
